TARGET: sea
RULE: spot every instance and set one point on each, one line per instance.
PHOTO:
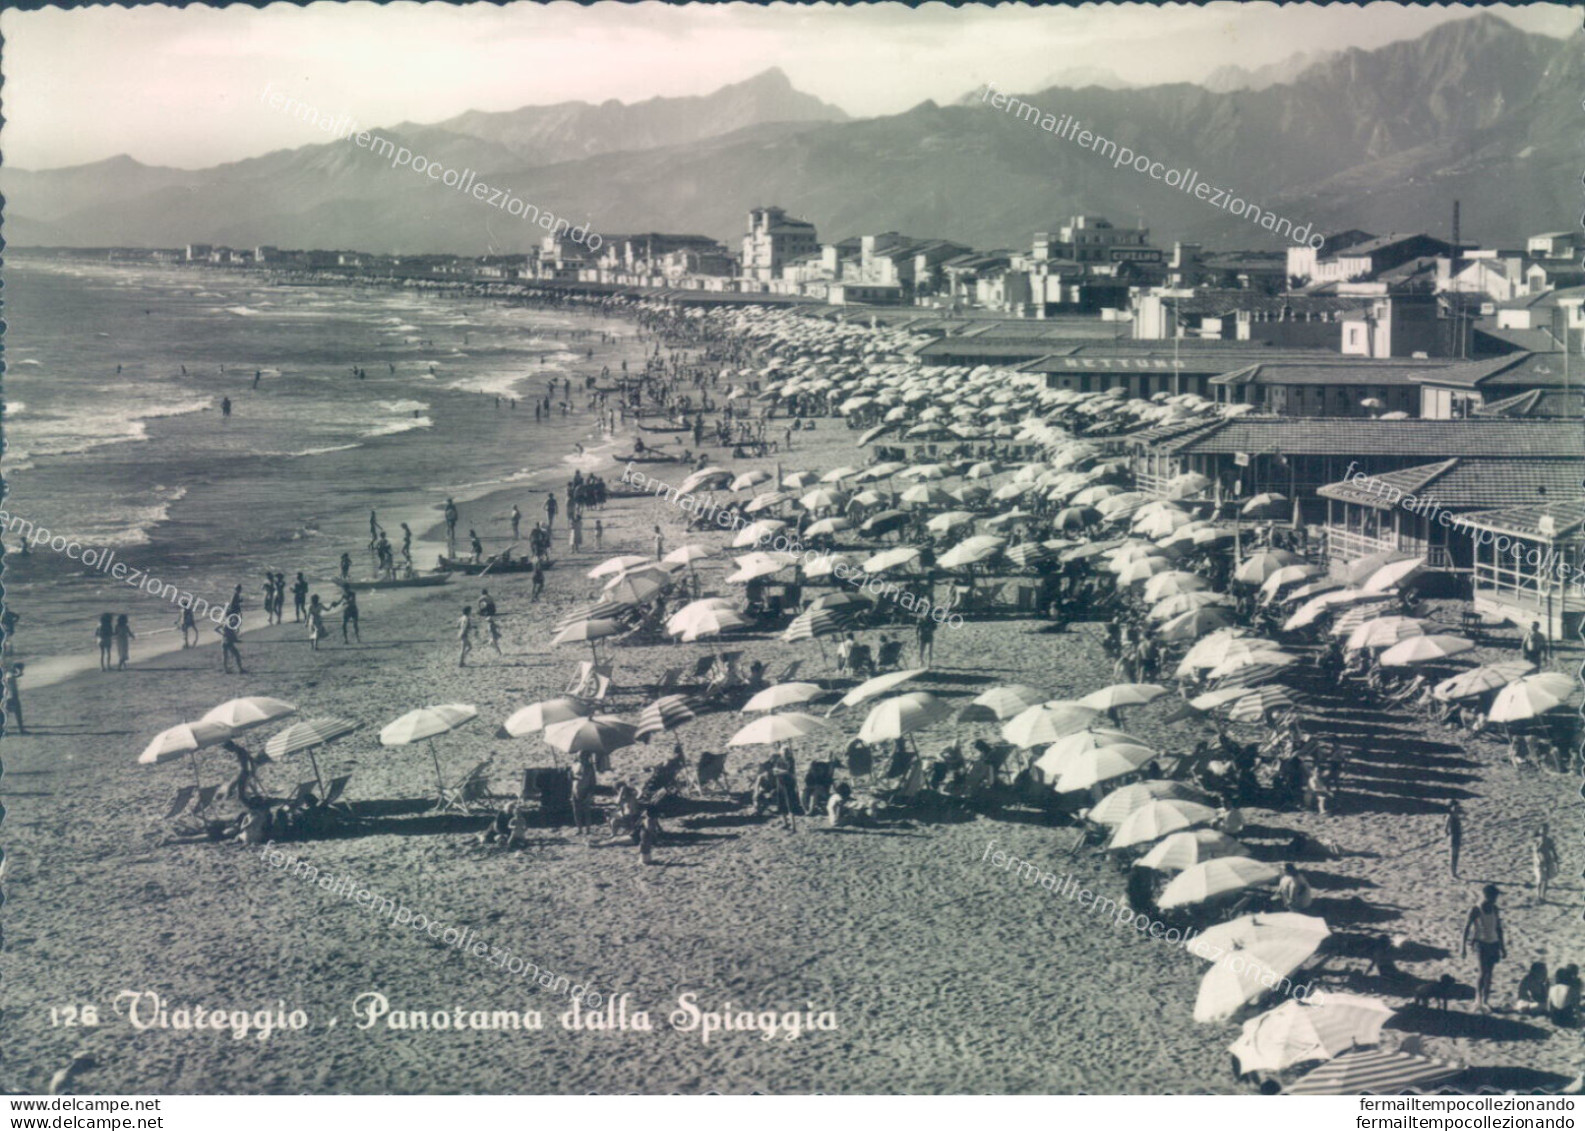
(114, 436)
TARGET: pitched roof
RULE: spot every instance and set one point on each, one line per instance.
(1526, 520)
(1481, 437)
(1463, 484)
(1538, 403)
(1384, 372)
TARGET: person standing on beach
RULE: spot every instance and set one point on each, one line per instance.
(464, 636)
(269, 597)
(299, 598)
(925, 631)
(228, 646)
(575, 534)
(8, 627)
(660, 544)
(124, 636)
(1534, 645)
(13, 696)
(1483, 927)
(599, 534)
(374, 529)
(550, 511)
(475, 547)
(188, 624)
(316, 623)
(349, 613)
(1544, 857)
(346, 566)
(407, 546)
(105, 635)
(452, 515)
(517, 521)
(539, 581)
(1453, 827)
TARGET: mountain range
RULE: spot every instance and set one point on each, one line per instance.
(1474, 110)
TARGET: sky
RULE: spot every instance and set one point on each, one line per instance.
(182, 86)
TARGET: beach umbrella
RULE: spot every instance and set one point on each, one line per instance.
(834, 525)
(1079, 741)
(783, 695)
(1478, 681)
(1267, 504)
(1384, 632)
(603, 610)
(755, 533)
(1350, 619)
(1268, 656)
(424, 725)
(1321, 605)
(1187, 485)
(837, 474)
(1044, 724)
(666, 713)
(687, 555)
(798, 480)
(1160, 818)
(710, 478)
(1173, 583)
(750, 479)
(884, 523)
(1194, 624)
(184, 738)
(786, 727)
(766, 501)
(696, 623)
(1360, 570)
(903, 714)
(1249, 931)
(1116, 806)
(924, 495)
(851, 603)
(760, 564)
(1210, 700)
(827, 564)
(306, 737)
(1001, 703)
(1123, 695)
(1374, 1072)
(1393, 574)
(1299, 1030)
(1314, 589)
(617, 565)
(1052, 765)
(1103, 764)
(677, 618)
(1076, 518)
(981, 470)
(950, 520)
(636, 589)
(1184, 850)
(1211, 879)
(1243, 975)
(1531, 695)
(895, 558)
(1185, 603)
(1026, 555)
(969, 553)
(879, 471)
(587, 631)
(537, 716)
(1287, 575)
(1255, 569)
(1253, 707)
(1218, 648)
(1141, 571)
(879, 685)
(1424, 650)
(821, 498)
(245, 714)
(600, 734)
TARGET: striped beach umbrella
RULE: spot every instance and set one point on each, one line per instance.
(1300, 1030)
(605, 610)
(1424, 649)
(613, 566)
(1158, 819)
(1027, 554)
(1380, 632)
(306, 737)
(1253, 707)
(1374, 1072)
(812, 623)
(666, 713)
(1478, 681)
(1531, 695)
(598, 735)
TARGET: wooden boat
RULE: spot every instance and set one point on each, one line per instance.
(488, 566)
(418, 581)
(669, 426)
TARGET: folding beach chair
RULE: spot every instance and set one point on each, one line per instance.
(861, 760)
(582, 680)
(668, 680)
(701, 669)
(790, 672)
(179, 802)
(474, 788)
(303, 794)
(206, 798)
(712, 771)
(602, 682)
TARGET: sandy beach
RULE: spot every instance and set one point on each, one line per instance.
(944, 973)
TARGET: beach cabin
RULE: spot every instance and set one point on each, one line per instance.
(1528, 563)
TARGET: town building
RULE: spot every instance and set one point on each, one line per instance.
(774, 239)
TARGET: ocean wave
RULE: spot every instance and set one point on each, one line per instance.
(48, 434)
(403, 406)
(246, 311)
(396, 427)
(15, 408)
(29, 361)
(496, 384)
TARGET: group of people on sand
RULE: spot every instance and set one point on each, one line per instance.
(114, 635)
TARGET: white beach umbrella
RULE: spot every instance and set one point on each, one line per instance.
(1158, 819)
(1042, 725)
(785, 727)
(1214, 878)
(903, 714)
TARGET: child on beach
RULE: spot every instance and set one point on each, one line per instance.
(124, 636)
(316, 623)
(465, 635)
(105, 634)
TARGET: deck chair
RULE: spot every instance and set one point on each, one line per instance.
(334, 790)
(303, 794)
(475, 787)
(602, 682)
(701, 669)
(206, 798)
(789, 672)
(891, 656)
(582, 680)
(861, 761)
(712, 771)
(179, 802)
(668, 680)
(912, 783)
